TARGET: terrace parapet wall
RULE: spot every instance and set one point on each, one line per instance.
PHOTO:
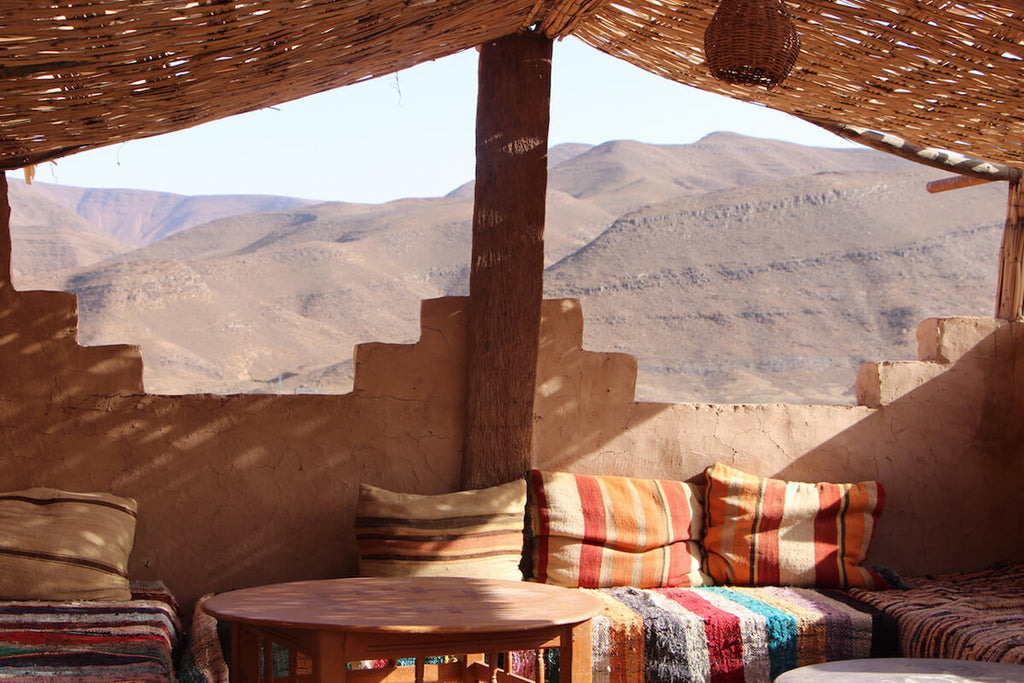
(40, 355)
(249, 489)
(961, 345)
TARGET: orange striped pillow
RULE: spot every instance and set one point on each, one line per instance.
(762, 531)
(598, 532)
(478, 533)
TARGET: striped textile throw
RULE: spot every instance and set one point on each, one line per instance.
(602, 531)
(59, 545)
(762, 531)
(965, 615)
(477, 534)
(718, 634)
(110, 641)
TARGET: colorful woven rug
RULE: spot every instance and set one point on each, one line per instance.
(730, 635)
(978, 616)
(91, 642)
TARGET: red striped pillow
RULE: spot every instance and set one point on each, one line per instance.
(598, 532)
(478, 533)
(772, 532)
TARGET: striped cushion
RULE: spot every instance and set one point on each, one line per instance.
(57, 545)
(475, 533)
(772, 532)
(598, 532)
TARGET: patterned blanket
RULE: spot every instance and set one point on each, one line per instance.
(977, 615)
(91, 642)
(730, 635)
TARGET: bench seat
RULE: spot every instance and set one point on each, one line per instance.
(973, 615)
(91, 641)
(730, 634)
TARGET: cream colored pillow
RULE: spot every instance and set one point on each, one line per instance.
(477, 533)
(58, 545)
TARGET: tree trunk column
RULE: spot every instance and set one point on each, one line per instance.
(1010, 301)
(507, 272)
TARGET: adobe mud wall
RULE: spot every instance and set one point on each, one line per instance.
(232, 490)
(943, 434)
(242, 490)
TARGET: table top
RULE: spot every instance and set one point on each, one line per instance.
(407, 605)
(905, 670)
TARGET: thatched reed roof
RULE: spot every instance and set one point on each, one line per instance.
(78, 74)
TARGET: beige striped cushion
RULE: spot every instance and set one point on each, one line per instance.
(58, 545)
(476, 533)
(599, 532)
(772, 532)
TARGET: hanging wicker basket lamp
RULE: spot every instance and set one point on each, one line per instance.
(751, 42)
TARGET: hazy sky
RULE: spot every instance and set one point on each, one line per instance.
(411, 134)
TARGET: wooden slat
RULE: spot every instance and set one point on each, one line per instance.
(5, 234)
(579, 650)
(407, 674)
(487, 673)
(954, 183)
(268, 659)
(1010, 299)
(507, 271)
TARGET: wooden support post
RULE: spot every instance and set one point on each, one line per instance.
(5, 234)
(507, 271)
(1010, 300)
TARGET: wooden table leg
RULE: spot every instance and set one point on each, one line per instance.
(245, 654)
(471, 664)
(329, 658)
(575, 654)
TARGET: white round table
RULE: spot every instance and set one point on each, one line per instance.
(905, 670)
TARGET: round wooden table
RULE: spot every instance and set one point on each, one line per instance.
(905, 670)
(342, 620)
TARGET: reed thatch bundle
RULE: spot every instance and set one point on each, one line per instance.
(85, 73)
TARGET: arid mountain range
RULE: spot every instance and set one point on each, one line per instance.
(736, 269)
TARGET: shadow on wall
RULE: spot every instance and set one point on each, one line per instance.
(232, 490)
(249, 489)
(946, 442)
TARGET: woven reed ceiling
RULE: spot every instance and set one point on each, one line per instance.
(85, 73)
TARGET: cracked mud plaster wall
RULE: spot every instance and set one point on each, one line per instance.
(241, 490)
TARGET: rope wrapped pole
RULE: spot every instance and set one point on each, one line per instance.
(507, 271)
(1010, 301)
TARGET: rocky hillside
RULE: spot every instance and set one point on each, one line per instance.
(735, 269)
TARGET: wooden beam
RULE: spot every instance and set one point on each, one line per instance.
(507, 271)
(1010, 298)
(5, 234)
(954, 183)
(929, 156)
